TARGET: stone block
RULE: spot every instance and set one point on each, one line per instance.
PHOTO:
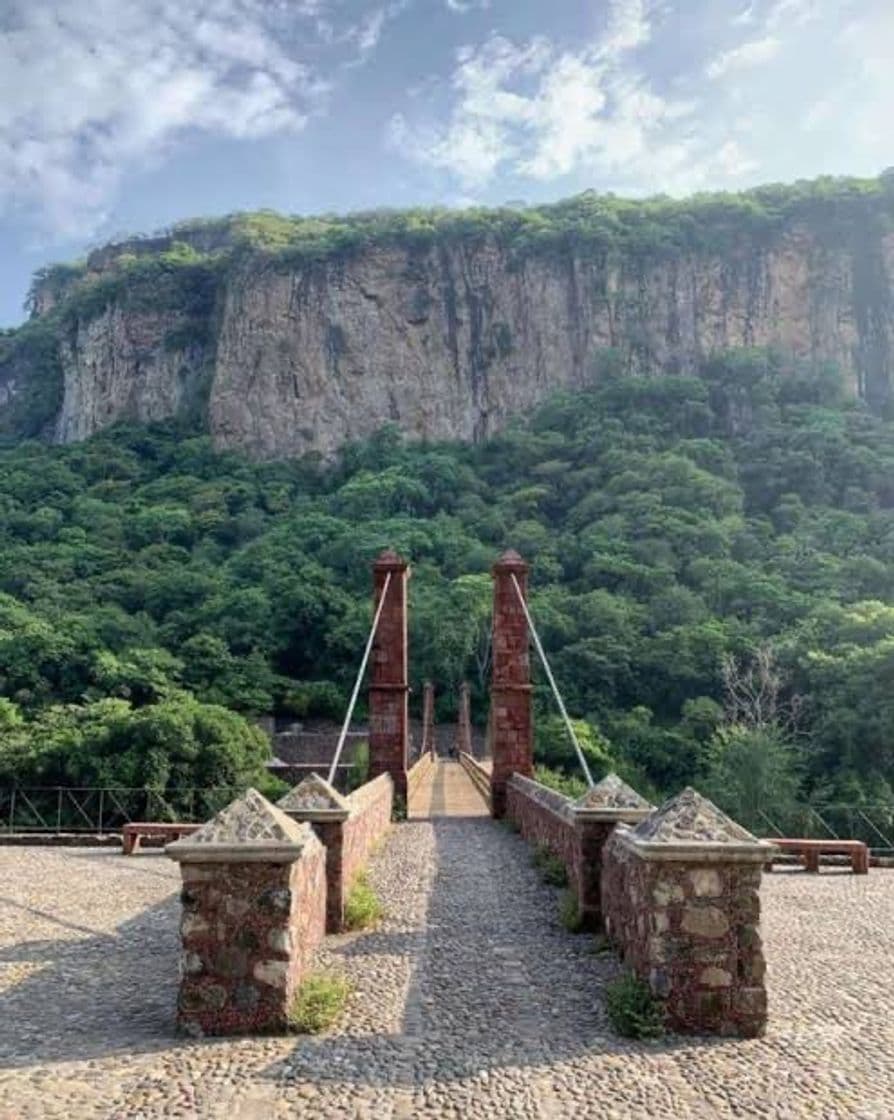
(706, 883)
(715, 977)
(705, 921)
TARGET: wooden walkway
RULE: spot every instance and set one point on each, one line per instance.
(447, 792)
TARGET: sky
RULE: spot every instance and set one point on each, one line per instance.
(123, 116)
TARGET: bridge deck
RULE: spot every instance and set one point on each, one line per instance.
(447, 792)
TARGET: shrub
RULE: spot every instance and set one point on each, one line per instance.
(552, 870)
(318, 1002)
(632, 1009)
(399, 808)
(362, 906)
(569, 912)
(358, 775)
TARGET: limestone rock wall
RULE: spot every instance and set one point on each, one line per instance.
(122, 366)
(450, 341)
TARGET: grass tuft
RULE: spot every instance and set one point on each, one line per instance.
(552, 870)
(362, 906)
(569, 912)
(632, 1009)
(319, 1001)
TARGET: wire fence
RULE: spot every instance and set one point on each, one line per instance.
(66, 809)
(58, 809)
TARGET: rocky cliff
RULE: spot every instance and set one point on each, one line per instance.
(448, 334)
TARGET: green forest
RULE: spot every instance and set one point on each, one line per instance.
(712, 568)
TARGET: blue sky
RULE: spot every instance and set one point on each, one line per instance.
(121, 116)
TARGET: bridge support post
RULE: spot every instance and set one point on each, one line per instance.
(464, 723)
(388, 718)
(512, 742)
(428, 719)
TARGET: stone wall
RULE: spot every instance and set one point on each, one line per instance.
(575, 831)
(349, 827)
(688, 923)
(254, 912)
(544, 817)
(370, 818)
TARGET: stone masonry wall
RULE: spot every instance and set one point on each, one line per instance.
(248, 933)
(692, 932)
(369, 820)
(544, 818)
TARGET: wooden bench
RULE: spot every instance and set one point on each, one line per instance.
(811, 850)
(133, 833)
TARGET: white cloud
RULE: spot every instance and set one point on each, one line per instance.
(463, 6)
(753, 53)
(540, 112)
(92, 91)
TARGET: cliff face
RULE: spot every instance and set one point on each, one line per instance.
(450, 340)
(452, 343)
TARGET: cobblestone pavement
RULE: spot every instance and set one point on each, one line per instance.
(470, 1001)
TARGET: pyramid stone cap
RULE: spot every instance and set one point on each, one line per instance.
(690, 827)
(510, 561)
(249, 829)
(314, 799)
(612, 799)
(389, 561)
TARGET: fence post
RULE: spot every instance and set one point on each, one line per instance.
(101, 796)
(58, 809)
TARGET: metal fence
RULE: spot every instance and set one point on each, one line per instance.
(56, 809)
(873, 824)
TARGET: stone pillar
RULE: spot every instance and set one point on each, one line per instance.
(596, 815)
(512, 743)
(254, 911)
(428, 719)
(315, 801)
(388, 717)
(464, 722)
(681, 900)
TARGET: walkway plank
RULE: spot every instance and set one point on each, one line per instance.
(448, 791)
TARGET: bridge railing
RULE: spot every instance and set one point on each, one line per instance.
(479, 774)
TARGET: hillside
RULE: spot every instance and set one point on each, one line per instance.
(281, 336)
(152, 588)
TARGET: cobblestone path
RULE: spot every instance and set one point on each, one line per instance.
(470, 1001)
(447, 791)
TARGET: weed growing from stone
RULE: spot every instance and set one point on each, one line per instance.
(319, 1001)
(632, 1009)
(552, 870)
(569, 912)
(602, 945)
(399, 808)
(362, 906)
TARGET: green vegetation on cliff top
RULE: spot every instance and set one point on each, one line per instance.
(154, 592)
(179, 264)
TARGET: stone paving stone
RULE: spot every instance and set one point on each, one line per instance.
(470, 1001)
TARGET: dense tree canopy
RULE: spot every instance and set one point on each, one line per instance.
(153, 592)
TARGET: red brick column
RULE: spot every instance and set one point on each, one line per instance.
(464, 723)
(428, 718)
(512, 743)
(388, 687)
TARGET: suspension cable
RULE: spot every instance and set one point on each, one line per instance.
(552, 681)
(359, 681)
